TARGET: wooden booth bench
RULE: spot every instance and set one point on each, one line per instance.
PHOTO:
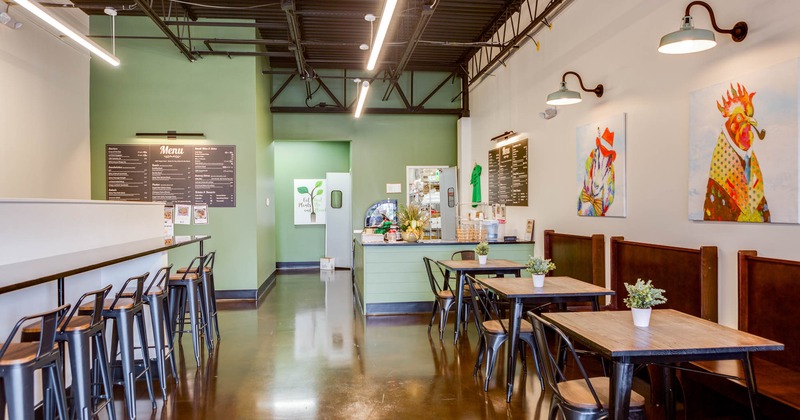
(579, 257)
(769, 297)
(688, 275)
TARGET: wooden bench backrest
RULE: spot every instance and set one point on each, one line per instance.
(688, 275)
(769, 293)
(579, 257)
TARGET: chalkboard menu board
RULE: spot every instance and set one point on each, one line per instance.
(172, 173)
(508, 174)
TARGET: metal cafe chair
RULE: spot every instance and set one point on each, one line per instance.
(444, 298)
(577, 399)
(18, 361)
(494, 332)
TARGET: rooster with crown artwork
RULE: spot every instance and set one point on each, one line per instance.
(597, 193)
(735, 189)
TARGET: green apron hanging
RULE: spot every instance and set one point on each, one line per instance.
(476, 185)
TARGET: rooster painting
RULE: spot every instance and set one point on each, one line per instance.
(735, 188)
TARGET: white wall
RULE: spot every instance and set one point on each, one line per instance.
(614, 42)
(44, 127)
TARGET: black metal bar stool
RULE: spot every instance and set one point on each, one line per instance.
(88, 357)
(18, 361)
(126, 311)
(156, 298)
(210, 289)
(187, 288)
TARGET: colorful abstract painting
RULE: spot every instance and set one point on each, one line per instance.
(743, 148)
(601, 168)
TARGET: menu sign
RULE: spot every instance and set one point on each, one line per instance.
(172, 173)
(128, 173)
(214, 175)
(508, 174)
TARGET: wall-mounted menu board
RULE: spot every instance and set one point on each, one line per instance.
(171, 173)
(508, 174)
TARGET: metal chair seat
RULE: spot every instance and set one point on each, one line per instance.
(502, 326)
(578, 394)
(19, 353)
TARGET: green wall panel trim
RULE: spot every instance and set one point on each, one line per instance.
(390, 274)
(303, 160)
(157, 89)
(381, 147)
(358, 273)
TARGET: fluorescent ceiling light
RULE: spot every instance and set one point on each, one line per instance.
(361, 98)
(386, 19)
(67, 30)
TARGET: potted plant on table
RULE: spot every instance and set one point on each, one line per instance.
(482, 250)
(539, 267)
(641, 299)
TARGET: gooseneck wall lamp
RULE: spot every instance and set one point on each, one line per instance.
(688, 39)
(564, 96)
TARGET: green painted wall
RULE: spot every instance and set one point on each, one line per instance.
(381, 147)
(157, 89)
(303, 160)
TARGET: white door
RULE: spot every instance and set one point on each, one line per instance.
(339, 219)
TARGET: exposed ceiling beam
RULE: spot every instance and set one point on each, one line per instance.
(145, 7)
(336, 110)
(489, 30)
(536, 22)
(243, 53)
(424, 18)
(259, 25)
(288, 7)
(189, 11)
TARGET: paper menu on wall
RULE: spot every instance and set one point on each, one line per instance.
(169, 213)
(201, 214)
(183, 214)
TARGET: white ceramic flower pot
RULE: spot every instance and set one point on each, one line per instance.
(538, 280)
(641, 317)
(482, 259)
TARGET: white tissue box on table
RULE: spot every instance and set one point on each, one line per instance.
(327, 263)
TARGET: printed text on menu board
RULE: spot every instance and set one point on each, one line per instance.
(508, 174)
(171, 173)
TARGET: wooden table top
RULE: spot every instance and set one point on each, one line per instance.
(522, 287)
(23, 274)
(466, 265)
(613, 334)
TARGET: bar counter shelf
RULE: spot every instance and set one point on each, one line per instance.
(390, 277)
(24, 274)
(423, 242)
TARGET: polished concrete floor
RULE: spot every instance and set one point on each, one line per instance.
(305, 353)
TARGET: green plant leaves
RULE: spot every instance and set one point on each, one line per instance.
(302, 190)
(318, 184)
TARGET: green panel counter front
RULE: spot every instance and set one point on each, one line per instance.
(390, 278)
